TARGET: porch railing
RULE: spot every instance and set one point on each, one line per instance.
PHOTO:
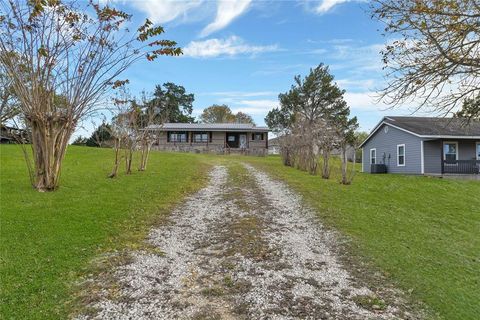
(461, 166)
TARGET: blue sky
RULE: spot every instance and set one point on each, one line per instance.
(244, 53)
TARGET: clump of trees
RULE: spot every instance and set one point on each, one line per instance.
(433, 61)
(313, 119)
(130, 130)
(223, 114)
(61, 58)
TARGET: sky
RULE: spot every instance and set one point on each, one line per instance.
(243, 53)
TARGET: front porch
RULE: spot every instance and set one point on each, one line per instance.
(452, 156)
(461, 167)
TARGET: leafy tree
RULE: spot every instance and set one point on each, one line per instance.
(9, 107)
(101, 136)
(73, 49)
(223, 114)
(241, 117)
(171, 103)
(470, 109)
(311, 110)
(217, 114)
(80, 141)
(434, 58)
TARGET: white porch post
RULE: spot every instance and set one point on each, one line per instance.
(422, 158)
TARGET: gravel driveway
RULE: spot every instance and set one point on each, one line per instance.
(244, 247)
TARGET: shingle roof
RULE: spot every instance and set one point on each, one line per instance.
(208, 127)
(430, 126)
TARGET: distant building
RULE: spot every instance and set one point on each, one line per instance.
(211, 137)
(422, 145)
(12, 135)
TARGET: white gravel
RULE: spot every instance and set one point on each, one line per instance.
(303, 280)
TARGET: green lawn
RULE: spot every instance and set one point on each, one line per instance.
(48, 239)
(424, 233)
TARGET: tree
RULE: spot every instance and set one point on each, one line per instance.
(80, 141)
(9, 107)
(470, 109)
(101, 136)
(217, 114)
(241, 117)
(434, 60)
(347, 137)
(314, 103)
(223, 114)
(360, 136)
(75, 50)
(171, 103)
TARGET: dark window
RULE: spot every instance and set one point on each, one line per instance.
(258, 136)
(200, 137)
(177, 136)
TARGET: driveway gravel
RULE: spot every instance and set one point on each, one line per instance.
(244, 247)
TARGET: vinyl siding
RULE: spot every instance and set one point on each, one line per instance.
(432, 151)
(386, 145)
(218, 142)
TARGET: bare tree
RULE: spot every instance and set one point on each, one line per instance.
(72, 50)
(434, 60)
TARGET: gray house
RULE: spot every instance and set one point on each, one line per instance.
(211, 137)
(422, 145)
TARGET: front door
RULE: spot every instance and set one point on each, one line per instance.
(243, 141)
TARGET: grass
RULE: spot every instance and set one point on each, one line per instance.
(424, 233)
(49, 239)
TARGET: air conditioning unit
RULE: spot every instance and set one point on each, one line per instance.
(378, 168)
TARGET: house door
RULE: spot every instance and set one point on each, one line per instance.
(243, 141)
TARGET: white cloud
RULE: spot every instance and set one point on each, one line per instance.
(327, 5)
(230, 46)
(161, 11)
(227, 11)
(255, 107)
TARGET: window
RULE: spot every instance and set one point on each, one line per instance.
(200, 137)
(373, 156)
(478, 150)
(177, 137)
(401, 155)
(450, 151)
(258, 136)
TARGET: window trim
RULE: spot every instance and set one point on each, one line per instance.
(373, 149)
(201, 133)
(477, 149)
(260, 136)
(456, 149)
(170, 133)
(404, 155)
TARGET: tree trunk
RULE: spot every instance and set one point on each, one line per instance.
(128, 160)
(49, 144)
(144, 156)
(326, 165)
(344, 165)
(117, 159)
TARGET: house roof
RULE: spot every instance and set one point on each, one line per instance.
(208, 127)
(431, 127)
